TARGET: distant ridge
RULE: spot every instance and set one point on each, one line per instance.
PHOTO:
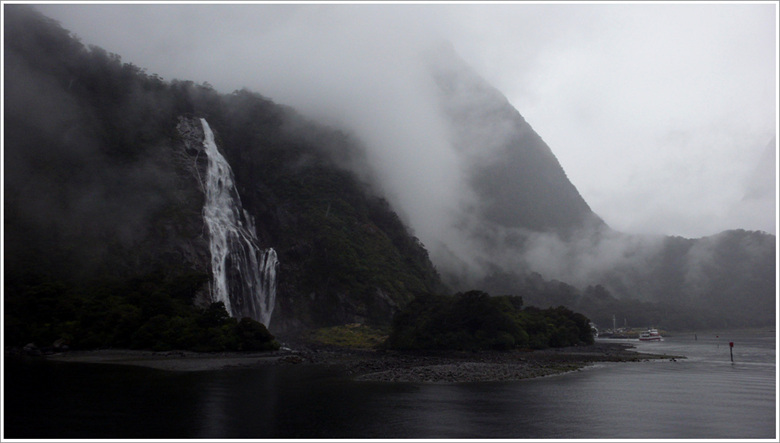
(517, 178)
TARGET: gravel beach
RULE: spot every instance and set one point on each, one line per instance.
(459, 367)
(383, 366)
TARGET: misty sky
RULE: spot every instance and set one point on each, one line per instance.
(662, 115)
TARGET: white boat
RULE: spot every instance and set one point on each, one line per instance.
(650, 335)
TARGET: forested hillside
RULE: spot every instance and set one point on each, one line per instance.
(103, 203)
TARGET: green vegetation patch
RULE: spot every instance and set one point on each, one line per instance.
(354, 335)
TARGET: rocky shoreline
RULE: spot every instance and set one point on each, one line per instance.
(383, 366)
(460, 367)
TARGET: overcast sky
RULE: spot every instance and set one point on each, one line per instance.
(662, 115)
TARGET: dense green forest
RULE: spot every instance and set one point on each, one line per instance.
(474, 320)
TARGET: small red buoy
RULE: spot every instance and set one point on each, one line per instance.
(731, 344)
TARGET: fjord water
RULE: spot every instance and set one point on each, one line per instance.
(702, 396)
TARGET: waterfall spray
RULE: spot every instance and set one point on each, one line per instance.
(244, 275)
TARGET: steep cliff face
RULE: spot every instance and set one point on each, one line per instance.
(105, 181)
(519, 212)
(344, 254)
(517, 179)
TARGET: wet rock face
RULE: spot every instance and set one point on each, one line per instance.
(297, 312)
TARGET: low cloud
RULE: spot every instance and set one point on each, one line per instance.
(653, 110)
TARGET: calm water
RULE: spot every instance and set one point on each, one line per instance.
(703, 396)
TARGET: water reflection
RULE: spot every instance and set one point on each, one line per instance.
(704, 396)
(212, 407)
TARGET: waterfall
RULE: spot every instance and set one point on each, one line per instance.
(244, 275)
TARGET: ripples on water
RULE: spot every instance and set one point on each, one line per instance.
(702, 396)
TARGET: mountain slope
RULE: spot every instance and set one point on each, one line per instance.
(104, 231)
(102, 191)
(517, 179)
(517, 202)
(523, 221)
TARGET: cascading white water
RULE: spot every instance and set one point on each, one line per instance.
(244, 275)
